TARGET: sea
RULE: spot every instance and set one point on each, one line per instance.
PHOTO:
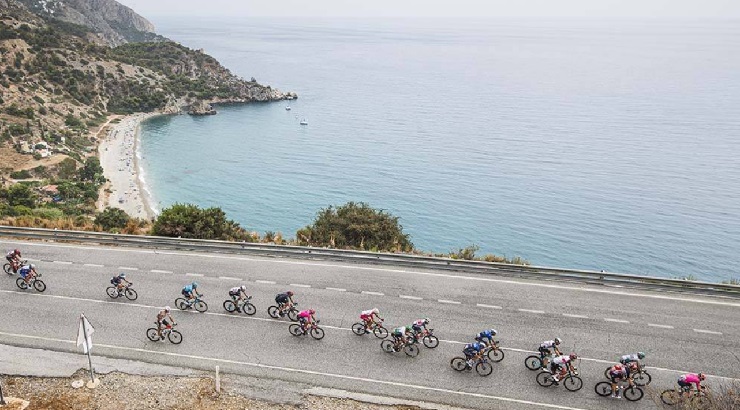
(604, 145)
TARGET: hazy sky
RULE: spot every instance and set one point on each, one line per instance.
(440, 8)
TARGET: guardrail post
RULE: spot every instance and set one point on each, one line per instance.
(2, 399)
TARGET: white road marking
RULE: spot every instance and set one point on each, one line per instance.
(127, 268)
(710, 332)
(661, 326)
(449, 302)
(200, 275)
(300, 285)
(229, 278)
(337, 289)
(488, 306)
(266, 282)
(242, 317)
(307, 372)
(410, 297)
(62, 262)
(707, 301)
(365, 292)
(160, 271)
(94, 265)
(539, 312)
(575, 316)
(616, 320)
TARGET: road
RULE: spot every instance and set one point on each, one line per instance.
(678, 333)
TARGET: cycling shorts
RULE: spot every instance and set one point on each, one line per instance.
(24, 273)
(9, 258)
(185, 293)
(416, 328)
(615, 376)
(233, 295)
(545, 351)
(683, 383)
(164, 322)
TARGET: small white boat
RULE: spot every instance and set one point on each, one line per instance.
(304, 122)
(287, 108)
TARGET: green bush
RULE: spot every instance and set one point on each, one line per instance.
(190, 221)
(23, 174)
(48, 213)
(112, 218)
(19, 194)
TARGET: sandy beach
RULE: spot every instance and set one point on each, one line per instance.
(118, 159)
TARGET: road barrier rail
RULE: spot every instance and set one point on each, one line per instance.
(394, 259)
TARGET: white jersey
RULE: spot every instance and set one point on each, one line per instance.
(561, 360)
(235, 290)
(548, 344)
(367, 313)
(630, 358)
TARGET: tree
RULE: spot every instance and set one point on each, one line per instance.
(190, 221)
(92, 171)
(19, 195)
(67, 168)
(112, 218)
(358, 226)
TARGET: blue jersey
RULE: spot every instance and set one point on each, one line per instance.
(25, 270)
(187, 289)
(474, 347)
(486, 334)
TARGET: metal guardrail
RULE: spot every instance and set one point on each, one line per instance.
(406, 260)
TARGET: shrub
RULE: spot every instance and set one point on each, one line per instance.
(23, 174)
(19, 195)
(112, 218)
(190, 221)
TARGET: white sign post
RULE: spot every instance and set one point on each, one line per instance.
(84, 339)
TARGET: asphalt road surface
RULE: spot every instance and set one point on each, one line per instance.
(679, 333)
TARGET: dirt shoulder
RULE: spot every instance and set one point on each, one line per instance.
(118, 391)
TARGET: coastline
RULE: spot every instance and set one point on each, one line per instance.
(119, 157)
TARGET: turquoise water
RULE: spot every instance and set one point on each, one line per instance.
(609, 145)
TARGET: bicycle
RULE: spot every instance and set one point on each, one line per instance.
(494, 352)
(12, 269)
(289, 311)
(168, 332)
(641, 378)
(631, 393)
(538, 361)
(244, 306)
(197, 303)
(35, 283)
(572, 381)
(377, 329)
(391, 346)
(482, 367)
(698, 399)
(116, 293)
(314, 330)
(427, 338)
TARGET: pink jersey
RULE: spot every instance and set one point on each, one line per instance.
(305, 314)
(691, 378)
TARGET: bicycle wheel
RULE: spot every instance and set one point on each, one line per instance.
(317, 333)
(533, 362)
(201, 306)
(670, 397)
(152, 334)
(131, 294)
(411, 350)
(380, 332)
(603, 389)
(248, 309)
(544, 379)
(293, 314)
(387, 346)
(7, 269)
(21, 283)
(701, 402)
(175, 337)
(642, 378)
(181, 303)
(112, 292)
(358, 328)
(484, 368)
(495, 355)
(39, 285)
(606, 372)
(458, 364)
(229, 306)
(430, 341)
(573, 383)
(273, 312)
(295, 329)
(633, 393)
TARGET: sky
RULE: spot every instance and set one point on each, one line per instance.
(668, 9)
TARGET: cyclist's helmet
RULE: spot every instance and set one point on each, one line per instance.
(32, 266)
(17, 252)
(289, 293)
(194, 285)
(426, 320)
(493, 332)
(167, 309)
(640, 355)
(702, 376)
(312, 311)
(243, 288)
(573, 356)
(121, 275)
(557, 340)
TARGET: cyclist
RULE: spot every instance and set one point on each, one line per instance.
(549, 348)
(28, 272)
(472, 351)
(191, 291)
(162, 320)
(238, 294)
(486, 337)
(419, 325)
(306, 318)
(284, 301)
(401, 335)
(620, 372)
(120, 281)
(14, 257)
(685, 381)
(560, 365)
(632, 358)
(369, 316)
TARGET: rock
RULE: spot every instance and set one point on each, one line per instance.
(201, 108)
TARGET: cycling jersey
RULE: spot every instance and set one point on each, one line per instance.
(629, 358)
(282, 298)
(550, 344)
(366, 314)
(484, 335)
(187, 289)
(235, 291)
(686, 380)
(116, 280)
(24, 271)
(561, 360)
(618, 372)
(399, 331)
(419, 323)
(471, 349)
(304, 314)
